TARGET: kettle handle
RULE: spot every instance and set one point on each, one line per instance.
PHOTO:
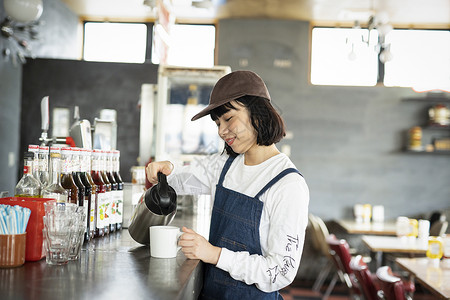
(163, 190)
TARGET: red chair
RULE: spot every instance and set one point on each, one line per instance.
(368, 282)
(340, 252)
(392, 287)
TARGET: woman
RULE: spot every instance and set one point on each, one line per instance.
(260, 209)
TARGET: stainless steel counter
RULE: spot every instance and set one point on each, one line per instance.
(112, 267)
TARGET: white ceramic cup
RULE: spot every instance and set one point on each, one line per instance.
(378, 213)
(164, 241)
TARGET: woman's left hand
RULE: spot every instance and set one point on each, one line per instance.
(195, 246)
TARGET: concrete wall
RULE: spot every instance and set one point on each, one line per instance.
(347, 141)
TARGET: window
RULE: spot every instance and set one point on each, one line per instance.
(115, 42)
(421, 59)
(341, 57)
(190, 46)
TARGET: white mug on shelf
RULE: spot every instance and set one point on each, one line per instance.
(423, 232)
(402, 227)
(358, 212)
(164, 241)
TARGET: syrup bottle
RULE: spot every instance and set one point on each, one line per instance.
(84, 189)
(87, 178)
(67, 180)
(114, 191)
(108, 188)
(118, 178)
(101, 193)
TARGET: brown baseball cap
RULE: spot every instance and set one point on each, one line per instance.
(233, 86)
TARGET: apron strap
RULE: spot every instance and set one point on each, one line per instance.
(225, 170)
(276, 178)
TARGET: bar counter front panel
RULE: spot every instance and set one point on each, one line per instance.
(111, 267)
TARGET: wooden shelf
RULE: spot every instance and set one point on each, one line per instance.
(439, 152)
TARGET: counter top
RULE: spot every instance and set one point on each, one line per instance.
(111, 267)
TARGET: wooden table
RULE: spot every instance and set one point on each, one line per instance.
(435, 278)
(372, 228)
(392, 244)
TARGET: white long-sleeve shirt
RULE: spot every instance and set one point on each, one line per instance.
(283, 221)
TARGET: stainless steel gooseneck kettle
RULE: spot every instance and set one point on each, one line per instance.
(157, 206)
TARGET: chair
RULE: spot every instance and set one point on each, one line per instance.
(320, 234)
(367, 282)
(438, 228)
(340, 252)
(392, 287)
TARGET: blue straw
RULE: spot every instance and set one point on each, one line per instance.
(13, 220)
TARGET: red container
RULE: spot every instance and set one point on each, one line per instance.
(34, 246)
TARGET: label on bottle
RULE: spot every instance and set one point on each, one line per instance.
(119, 207)
(108, 205)
(85, 206)
(92, 214)
(101, 206)
(26, 169)
(114, 207)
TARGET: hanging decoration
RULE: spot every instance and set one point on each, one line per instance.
(19, 27)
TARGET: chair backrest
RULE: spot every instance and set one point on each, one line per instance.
(320, 234)
(364, 278)
(391, 286)
(435, 216)
(438, 228)
(340, 252)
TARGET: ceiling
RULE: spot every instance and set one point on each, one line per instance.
(401, 13)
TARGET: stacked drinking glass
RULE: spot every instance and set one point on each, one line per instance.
(64, 226)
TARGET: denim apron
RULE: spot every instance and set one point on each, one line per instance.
(235, 225)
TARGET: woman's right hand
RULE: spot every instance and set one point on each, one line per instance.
(153, 168)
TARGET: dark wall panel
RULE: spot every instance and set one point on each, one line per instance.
(92, 86)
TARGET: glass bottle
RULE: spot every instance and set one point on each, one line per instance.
(83, 195)
(67, 180)
(108, 191)
(114, 191)
(86, 163)
(43, 173)
(35, 168)
(28, 185)
(101, 192)
(75, 164)
(118, 178)
(54, 189)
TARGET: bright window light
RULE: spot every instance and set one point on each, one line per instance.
(342, 56)
(421, 59)
(115, 42)
(190, 46)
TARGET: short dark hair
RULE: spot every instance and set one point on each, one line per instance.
(265, 120)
